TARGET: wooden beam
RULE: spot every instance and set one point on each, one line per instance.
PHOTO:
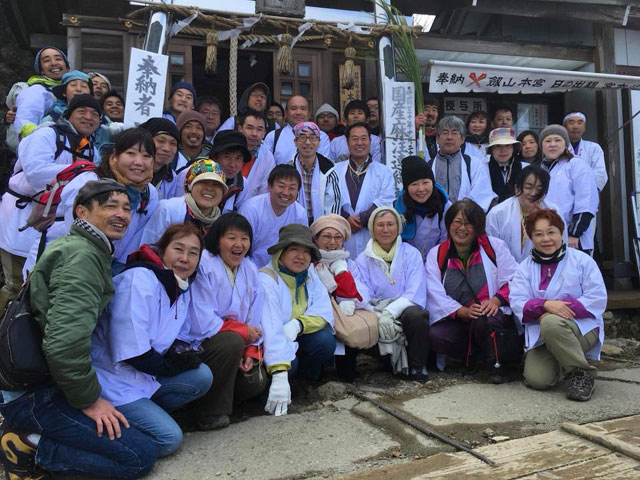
(612, 198)
(429, 41)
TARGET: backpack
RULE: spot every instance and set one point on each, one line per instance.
(45, 203)
(443, 250)
(276, 137)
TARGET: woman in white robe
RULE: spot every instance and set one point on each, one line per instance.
(144, 371)
(506, 220)
(558, 294)
(301, 341)
(392, 274)
(468, 293)
(422, 203)
(572, 187)
(204, 187)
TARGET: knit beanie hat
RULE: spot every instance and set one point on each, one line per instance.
(332, 221)
(36, 63)
(415, 168)
(158, 125)
(186, 86)
(357, 105)
(379, 211)
(188, 116)
(326, 108)
(555, 129)
(83, 100)
(103, 77)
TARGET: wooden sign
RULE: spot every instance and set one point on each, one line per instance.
(281, 8)
(348, 94)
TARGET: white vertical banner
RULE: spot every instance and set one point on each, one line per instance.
(145, 86)
(635, 195)
(399, 126)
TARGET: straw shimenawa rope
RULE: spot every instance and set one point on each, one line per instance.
(211, 60)
(285, 59)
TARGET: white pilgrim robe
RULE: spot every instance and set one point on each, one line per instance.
(441, 305)
(339, 150)
(278, 305)
(503, 222)
(266, 225)
(576, 276)
(378, 188)
(139, 318)
(592, 153)
(213, 298)
(478, 187)
(34, 169)
(169, 212)
(320, 182)
(429, 232)
(404, 281)
(286, 149)
(573, 189)
(256, 183)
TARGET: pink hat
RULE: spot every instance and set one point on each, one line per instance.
(306, 127)
(333, 221)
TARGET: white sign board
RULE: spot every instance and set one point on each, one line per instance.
(457, 77)
(399, 127)
(145, 86)
(463, 105)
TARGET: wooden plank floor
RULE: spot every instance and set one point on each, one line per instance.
(554, 455)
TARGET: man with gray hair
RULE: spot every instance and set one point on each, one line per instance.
(461, 175)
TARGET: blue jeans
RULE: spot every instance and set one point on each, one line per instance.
(315, 350)
(70, 442)
(150, 415)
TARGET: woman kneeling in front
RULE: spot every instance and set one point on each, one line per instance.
(559, 296)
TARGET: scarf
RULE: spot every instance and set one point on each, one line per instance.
(121, 179)
(194, 211)
(477, 140)
(545, 259)
(330, 256)
(164, 174)
(94, 231)
(42, 80)
(383, 254)
(504, 188)
(300, 278)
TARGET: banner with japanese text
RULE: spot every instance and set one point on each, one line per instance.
(457, 77)
(399, 126)
(145, 86)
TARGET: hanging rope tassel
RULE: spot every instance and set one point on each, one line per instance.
(211, 60)
(348, 73)
(233, 75)
(285, 59)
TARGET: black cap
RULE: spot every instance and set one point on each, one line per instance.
(415, 168)
(93, 188)
(230, 140)
(83, 100)
(158, 125)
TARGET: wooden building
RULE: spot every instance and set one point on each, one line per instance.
(579, 35)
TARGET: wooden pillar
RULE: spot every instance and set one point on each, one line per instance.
(613, 197)
(74, 47)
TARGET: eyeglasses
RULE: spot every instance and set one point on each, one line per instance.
(261, 96)
(326, 237)
(459, 223)
(307, 138)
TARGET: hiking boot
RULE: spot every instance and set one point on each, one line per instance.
(213, 423)
(497, 375)
(421, 376)
(581, 386)
(18, 457)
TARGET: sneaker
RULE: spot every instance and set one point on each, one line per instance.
(421, 376)
(213, 423)
(581, 386)
(18, 457)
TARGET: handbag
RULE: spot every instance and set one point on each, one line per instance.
(23, 365)
(359, 330)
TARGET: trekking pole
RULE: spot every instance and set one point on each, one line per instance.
(427, 431)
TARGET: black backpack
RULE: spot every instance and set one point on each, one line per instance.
(22, 362)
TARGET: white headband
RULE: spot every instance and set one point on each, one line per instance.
(574, 114)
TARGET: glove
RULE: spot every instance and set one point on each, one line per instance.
(386, 330)
(397, 328)
(348, 307)
(182, 357)
(338, 266)
(279, 394)
(291, 329)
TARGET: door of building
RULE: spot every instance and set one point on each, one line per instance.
(304, 80)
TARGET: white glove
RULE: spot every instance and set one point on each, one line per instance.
(386, 329)
(291, 329)
(347, 307)
(338, 266)
(279, 394)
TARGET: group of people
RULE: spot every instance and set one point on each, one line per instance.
(190, 265)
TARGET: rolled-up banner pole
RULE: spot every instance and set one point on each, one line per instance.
(158, 33)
